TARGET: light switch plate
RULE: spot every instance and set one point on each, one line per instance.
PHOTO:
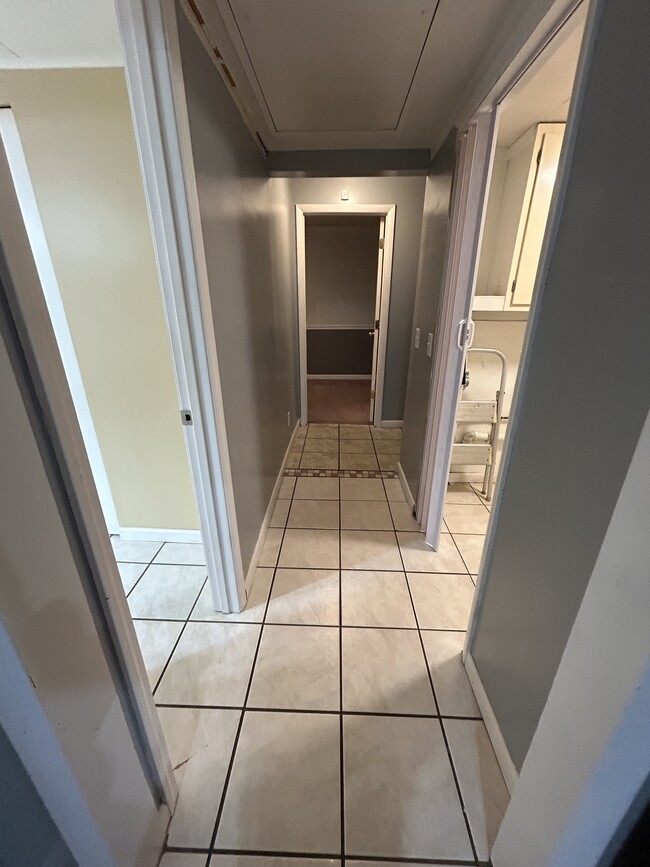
(416, 341)
(429, 345)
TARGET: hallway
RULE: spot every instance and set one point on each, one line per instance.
(333, 716)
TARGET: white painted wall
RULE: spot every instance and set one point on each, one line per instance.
(491, 228)
(590, 754)
(341, 273)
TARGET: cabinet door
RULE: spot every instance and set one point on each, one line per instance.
(535, 216)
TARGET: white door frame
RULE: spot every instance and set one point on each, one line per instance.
(154, 77)
(465, 232)
(34, 227)
(386, 211)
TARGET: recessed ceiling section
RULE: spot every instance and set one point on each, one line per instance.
(334, 65)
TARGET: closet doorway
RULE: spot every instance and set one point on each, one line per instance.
(344, 256)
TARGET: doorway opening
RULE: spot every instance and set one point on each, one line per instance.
(344, 259)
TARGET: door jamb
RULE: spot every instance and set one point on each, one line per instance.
(155, 84)
(386, 211)
(440, 419)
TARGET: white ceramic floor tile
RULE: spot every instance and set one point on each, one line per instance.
(466, 519)
(386, 433)
(365, 515)
(316, 489)
(293, 459)
(384, 671)
(323, 430)
(358, 462)
(284, 792)
(307, 596)
(156, 639)
(388, 447)
(394, 490)
(453, 690)
(369, 549)
(182, 859)
(376, 599)
(357, 447)
(354, 432)
(167, 592)
(321, 445)
(441, 601)
(362, 489)
(286, 488)
(388, 462)
(304, 549)
(403, 517)
(271, 547)
(266, 861)
(129, 573)
(314, 515)
(471, 549)
(200, 744)
(134, 552)
(400, 797)
(419, 557)
(319, 461)
(280, 513)
(211, 665)
(481, 783)
(252, 613)
(297, 668)
(182, 553)
(461, 493)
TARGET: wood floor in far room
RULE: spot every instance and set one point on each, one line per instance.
(339, 400)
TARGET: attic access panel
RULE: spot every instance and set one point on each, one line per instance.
(335, 65)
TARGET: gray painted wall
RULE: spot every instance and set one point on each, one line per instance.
(408, 195)
(435, 224)
(244, 229)
(583, 392)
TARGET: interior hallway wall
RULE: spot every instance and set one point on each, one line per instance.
(407, 193)
(77, 134)
(433, 247)
(244, 222)
(584, 394)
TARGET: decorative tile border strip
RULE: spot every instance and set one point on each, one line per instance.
(341, 474)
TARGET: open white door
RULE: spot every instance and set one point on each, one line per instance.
(377, 323)
(455, 326)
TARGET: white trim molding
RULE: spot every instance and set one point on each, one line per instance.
(392, 422)
(154, 77)
(386, 211)
(405, 486)
(151, 534)
(508, 769)
(339, 376)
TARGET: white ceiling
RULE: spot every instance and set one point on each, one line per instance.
(544, 93)
(58, 33)
(331, 74)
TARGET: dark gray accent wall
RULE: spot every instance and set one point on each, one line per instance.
(250, 287)
(433, 247)
(339, 351)
(585, 390)
(407, 194)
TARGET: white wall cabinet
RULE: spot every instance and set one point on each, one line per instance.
(531, 169)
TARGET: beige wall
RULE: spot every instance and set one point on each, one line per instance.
(78, 138)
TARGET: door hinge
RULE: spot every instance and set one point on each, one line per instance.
(372, 393)
(514, 286)
(377, 325)
(381, 243)
(539, 156)
(186, 417)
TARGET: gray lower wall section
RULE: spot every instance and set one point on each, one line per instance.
(585, 396)
(435, 228)
(246, 245)
(343, 351)
(407, 194)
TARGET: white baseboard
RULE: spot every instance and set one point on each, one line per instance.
(495, 734)
(392, 422)
(267, 517)
(151, 534)
(339, 376)
(405, 486)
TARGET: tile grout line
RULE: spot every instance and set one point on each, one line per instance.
(341, 726)
(321, 711)
(146, 567)
(314, 856)
(226, 782)
(435, 698)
